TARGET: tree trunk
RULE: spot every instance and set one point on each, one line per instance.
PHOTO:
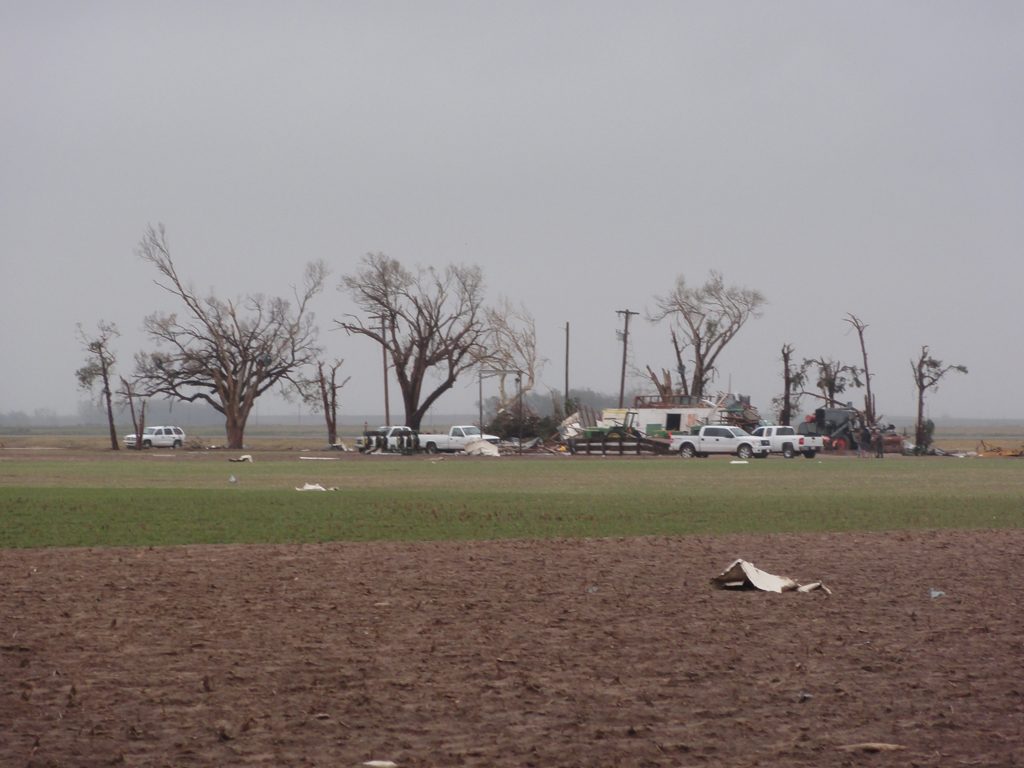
(787, 382)
(234, 424)
(680, 365)
(869, 400)
(114, 446)
(919, 431)
(235, 434)
(110, 409)
(141, 428)
(330, 410)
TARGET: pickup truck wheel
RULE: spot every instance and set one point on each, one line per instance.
(431, 448)
(177, 444)
(147, 444)
(744, 452)
(787, 451)
(809, 454)
(686, 452)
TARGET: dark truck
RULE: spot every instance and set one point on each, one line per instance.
(839, 428)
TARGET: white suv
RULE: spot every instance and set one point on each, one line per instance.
(158, 437)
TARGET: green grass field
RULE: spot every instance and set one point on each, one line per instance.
(180, 499)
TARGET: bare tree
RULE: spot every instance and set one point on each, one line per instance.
(321, 391)
(708, 317)
(928, 372)
(512, 346)
(99, 368)
(793, 378)
(226, 353)
(869, 399)
(129, 395)
(433, 323)
(834, 377)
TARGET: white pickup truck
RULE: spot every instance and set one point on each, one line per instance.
(455, 440)
(789, 443)
(710, 440)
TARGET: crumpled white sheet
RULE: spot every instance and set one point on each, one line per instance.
(743, 575)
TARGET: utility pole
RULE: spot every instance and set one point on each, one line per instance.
(625, 348)
(519, 388)
(567, 369)
(488, 372)
(384, 350)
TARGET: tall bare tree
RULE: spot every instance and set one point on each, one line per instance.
(99, 368)
(226, 353)
(834, 376)
(321, 392)
(928, 372)
(793, 377)
(433, 323)
(869, 399)
(512, 346)
(708, 318)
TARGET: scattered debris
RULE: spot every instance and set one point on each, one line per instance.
(481, 448)
(314, 487)
(739, 462)
(232, 479)
(245, 457)
(318, 458)
(743, 575)
(937, 593)
(986, 450)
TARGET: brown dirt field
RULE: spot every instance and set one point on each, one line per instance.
(596, 652)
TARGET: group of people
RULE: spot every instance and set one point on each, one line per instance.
(870, 439)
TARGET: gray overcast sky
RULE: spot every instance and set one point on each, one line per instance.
(840, 157)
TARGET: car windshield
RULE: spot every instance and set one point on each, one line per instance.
(471, 430)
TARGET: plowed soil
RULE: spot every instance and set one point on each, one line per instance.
(516, 653)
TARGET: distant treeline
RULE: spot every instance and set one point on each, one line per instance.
(201, 414)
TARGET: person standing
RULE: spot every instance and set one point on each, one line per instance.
(877, 439)
(863, 442)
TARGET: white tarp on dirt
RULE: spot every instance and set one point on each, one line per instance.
(743, 575)
(481, 448)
